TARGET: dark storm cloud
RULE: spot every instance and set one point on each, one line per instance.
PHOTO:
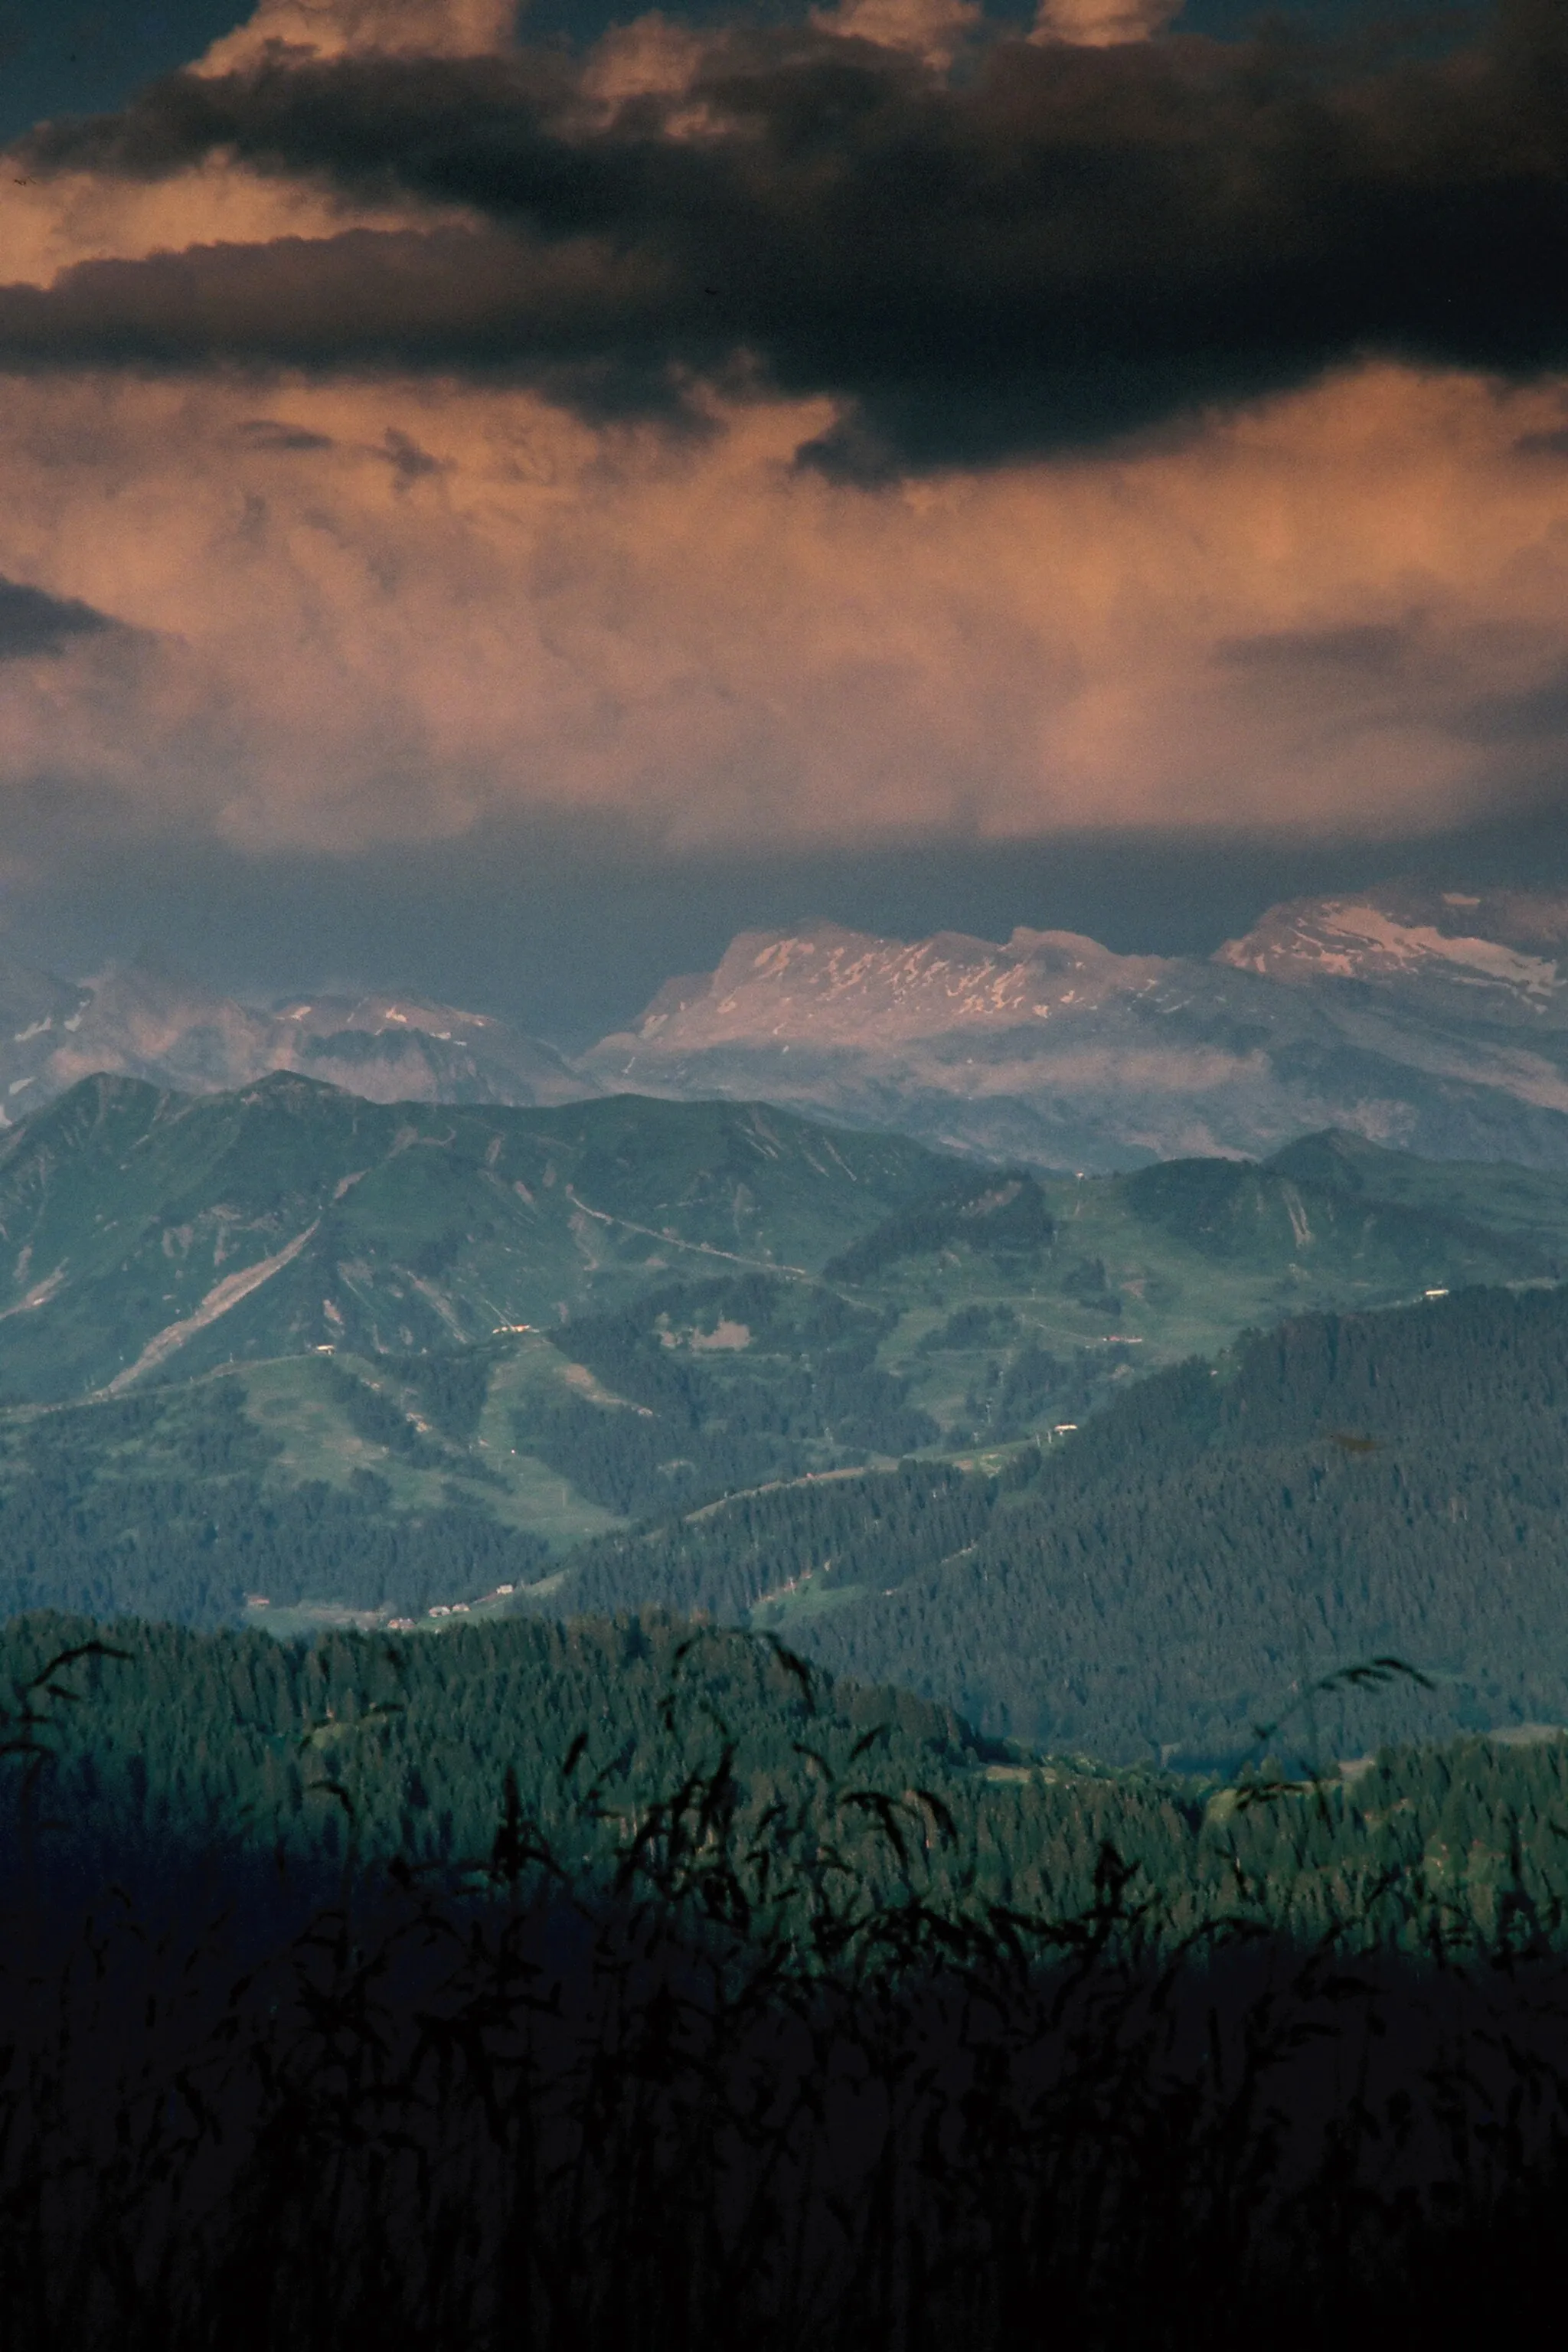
(1540, 715)
(267, 433)
(1365, 650)
(32, 622)
(397, 297)
(1072, 243)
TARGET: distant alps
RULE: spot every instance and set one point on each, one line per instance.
(144, 1021)
(1434, 1022)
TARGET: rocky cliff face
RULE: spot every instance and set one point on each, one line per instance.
(1437, 1023)
(144, 1021)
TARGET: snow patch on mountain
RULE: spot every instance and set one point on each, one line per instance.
(1437, 1021)
(1356, 939)
(826, 984)
(145, 1021)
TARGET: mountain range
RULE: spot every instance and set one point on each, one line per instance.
(144, 1020)
(284, 1353)
(148, 1234)
(1110, 1345)
(1432, 1021)
(816, 1381)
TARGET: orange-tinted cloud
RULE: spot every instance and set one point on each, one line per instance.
(366, 611)
(336, 28)
(52, 225)
(396, 505)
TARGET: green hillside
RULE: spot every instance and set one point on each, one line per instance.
(338, 1487)
(363, 1362)
(1186, 1566)
(1492, 1196)
(179, 1504)
(152, 1234)
(1019, 1311)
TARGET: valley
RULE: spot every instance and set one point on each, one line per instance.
(1017, 1441)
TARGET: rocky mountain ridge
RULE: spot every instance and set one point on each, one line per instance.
(1434, 1022)
(144, 1021)
(1494, 942)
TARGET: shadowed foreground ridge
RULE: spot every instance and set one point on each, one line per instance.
(773, 2063)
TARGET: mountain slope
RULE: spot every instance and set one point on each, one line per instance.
(1182, 1569)
(148, 1232)
(1499, 950)
(180, 1504)
(1135, 1271)
(383, 1483)
(1436, 1023)
(502, 1331)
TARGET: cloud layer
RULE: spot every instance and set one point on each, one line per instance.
(33, 622)
(377, 611)
(728, 436)
(1071, 239)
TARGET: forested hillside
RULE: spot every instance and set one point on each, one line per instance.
(1183, 1567)
(1156, 1583)
(162, 1747)
(169, 1505)
(403, 1481)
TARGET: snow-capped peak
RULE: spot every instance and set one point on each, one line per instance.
(1360, 939)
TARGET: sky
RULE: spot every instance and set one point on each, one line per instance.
(494, 502)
